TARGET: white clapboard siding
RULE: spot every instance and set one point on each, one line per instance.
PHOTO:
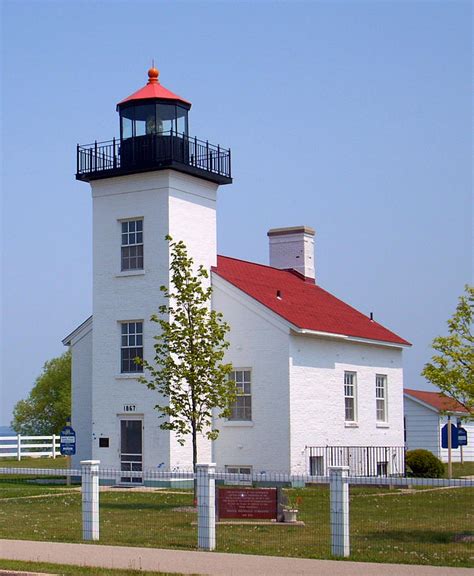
(422, 427)
(423, 430)
(467, 451)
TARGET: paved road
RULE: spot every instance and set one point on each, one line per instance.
(206, 563)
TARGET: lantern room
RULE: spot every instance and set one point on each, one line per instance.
(153, 110)
(154, 135)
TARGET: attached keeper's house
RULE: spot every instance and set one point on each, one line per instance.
(319, 382)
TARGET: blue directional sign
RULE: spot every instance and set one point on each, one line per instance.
(454, 436)
(67, 441)
(462, 436)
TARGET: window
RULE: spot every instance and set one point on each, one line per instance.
(350, 385)
(381, 397)
(132, 245)
(238, 470)
(382, 468)
(131, 346)
(242, 409)
(316, 465)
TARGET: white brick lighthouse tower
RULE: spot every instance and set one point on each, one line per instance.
(152, 181)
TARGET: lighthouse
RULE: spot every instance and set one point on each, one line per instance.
(152, 180)
(318, 383)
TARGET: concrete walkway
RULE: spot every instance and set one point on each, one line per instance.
(206, 563)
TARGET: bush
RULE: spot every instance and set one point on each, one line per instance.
(423, 464)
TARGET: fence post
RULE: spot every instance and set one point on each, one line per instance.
(339, 498)
(90, 499)
(18, 447)
(206, 498)
(54, 446)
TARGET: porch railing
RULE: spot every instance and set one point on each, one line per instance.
(362, 460)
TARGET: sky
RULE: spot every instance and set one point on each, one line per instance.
(351, 117)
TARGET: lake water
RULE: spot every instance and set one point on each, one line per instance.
(7, 431)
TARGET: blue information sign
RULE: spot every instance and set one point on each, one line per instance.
(67, 441)
(454, 436)
(462, 436)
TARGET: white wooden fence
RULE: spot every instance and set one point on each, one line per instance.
(21, 446)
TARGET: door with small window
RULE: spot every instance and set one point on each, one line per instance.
(131, 451)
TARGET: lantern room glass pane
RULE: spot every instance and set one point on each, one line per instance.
(182, 120)
(166, 117)
(145, 120)
(126, 127)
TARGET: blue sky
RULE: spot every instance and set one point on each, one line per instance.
(350, 117)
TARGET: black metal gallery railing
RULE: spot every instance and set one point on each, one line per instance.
(152, 151)
(361, 460)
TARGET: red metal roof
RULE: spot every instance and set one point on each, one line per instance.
(301, 302)
(153, 89)
(437, 400)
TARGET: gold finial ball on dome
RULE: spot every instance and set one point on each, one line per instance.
(153, 74)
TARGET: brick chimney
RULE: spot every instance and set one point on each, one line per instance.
(293, 248)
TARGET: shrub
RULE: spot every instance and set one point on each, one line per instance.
(423, 464)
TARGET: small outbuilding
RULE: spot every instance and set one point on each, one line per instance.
(425, 415)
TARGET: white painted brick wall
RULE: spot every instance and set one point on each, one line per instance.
(317, 395)
(261, 345)
(183, 206)
(293, 251)
(81, 395)
(313, 401)
(170, 203)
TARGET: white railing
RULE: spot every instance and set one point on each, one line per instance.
(20, 446)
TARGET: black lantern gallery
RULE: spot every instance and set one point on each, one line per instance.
(154, 135)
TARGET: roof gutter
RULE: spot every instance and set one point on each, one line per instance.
(346, 338)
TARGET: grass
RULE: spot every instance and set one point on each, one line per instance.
(409, 528)
(58, 462)
(466, 469)
(386, 525)
(25, 485)
(66, 570)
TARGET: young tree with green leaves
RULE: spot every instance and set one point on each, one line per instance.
(188, 369)
(452, 369)
(48, 405)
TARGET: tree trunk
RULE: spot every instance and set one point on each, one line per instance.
(194, 462)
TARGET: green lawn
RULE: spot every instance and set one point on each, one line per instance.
(27, 485)
(66, 570)
(466, 469)
(386, 525)
(58, 462)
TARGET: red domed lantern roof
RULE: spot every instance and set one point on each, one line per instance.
(153, 89)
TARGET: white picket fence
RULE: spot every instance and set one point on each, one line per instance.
(20, 446)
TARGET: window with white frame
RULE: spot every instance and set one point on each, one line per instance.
(350, 396)
(131, 346)
(381, 397)
(132, 245)
(242, 408)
